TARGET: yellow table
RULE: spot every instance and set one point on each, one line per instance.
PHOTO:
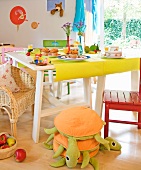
(92, 67)
(96, 67)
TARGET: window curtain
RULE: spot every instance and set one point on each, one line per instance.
(81, 7)
(92, 28)
(95, 15)
(79, 13)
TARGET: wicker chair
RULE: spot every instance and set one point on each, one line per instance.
(15, 104)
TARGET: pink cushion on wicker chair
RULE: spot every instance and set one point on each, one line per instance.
(6, 78)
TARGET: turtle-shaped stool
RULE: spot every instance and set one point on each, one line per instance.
(76, 137)
(86, 149)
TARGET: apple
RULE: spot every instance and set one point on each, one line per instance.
(3, 139)
(11, 141)
(95, 51)
(5, 146)
(28, 53)
(20, 155)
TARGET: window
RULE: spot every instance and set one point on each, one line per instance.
(122, 23)
(118, 23)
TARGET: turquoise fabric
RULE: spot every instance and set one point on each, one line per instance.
(92, 7)
(95, 17)
(79, 13)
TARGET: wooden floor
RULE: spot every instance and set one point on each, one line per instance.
(38, 158)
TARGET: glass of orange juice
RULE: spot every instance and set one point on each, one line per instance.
(106, 48)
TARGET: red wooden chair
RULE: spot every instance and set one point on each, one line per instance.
(122, 100)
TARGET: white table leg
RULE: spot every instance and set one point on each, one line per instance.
(38, 105)
(51, 81)
(14, 63)
(99, 94)
(135, 80)
(59, 90)
(87, 91)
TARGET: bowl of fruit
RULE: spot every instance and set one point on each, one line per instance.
(7, 145)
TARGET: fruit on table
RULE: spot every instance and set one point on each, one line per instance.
(20, 155)
(87, 49)
(29, 50)
(97, 47)
(92, 52)
(94, 48)
(3, 139)
(28, 53)
(11, 141)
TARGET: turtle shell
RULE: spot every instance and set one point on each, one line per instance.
(78, 122)
(83, 145)
(91, 153)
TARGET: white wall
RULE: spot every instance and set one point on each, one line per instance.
(36, 10)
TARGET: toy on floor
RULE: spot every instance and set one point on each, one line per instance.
(114, 145)
(58, 8)
(77, 138)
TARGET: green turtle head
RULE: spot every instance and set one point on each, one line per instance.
(114, 145)
(72, 153)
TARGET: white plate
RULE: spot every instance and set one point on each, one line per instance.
(53, 56)
(73, 59)
(104, 57)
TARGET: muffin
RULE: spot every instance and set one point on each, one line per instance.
(54, 52)
(45, 51)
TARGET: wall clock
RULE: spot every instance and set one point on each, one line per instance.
(17, 16)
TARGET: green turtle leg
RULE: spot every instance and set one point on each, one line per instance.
(72, 153)
(48, 146)
(94, 163)
(101, 147)
(59, 163)
(86, 159)
(101, 140)
(50, 138)
(50, 131)
(59, 151)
